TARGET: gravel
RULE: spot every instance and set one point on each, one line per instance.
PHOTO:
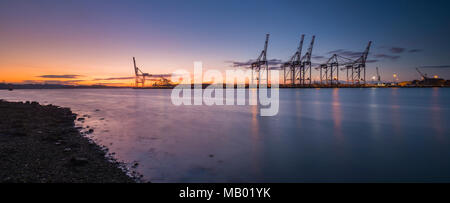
(40, 144)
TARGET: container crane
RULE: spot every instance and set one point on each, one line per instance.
(306, 64)
(293, 65)
(378, 76)
(261, 61)
(140, 76)
(358, 67)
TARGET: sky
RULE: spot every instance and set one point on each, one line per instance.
(93, 42)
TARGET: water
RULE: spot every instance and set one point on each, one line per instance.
(319, 135)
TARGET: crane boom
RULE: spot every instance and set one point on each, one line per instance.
(421, 74)
(378, 75)
(265, 47)
(366, 52)
(135, 67)
(300, 47)
(311, 48)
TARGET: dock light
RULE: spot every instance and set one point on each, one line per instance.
(373, 78)
(395, 75)
(436, 77)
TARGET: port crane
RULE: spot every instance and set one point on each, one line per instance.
(427, 81)
(357, 67)
(294, 64)
(424, 76)
(329, 71)
(141, 77)
(378, 76)
(261, 61)
(306, 64)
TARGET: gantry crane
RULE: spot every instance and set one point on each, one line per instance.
(329, 71)
(306, 64)
(261, 61)
(293, 65)
(140, 76)
(357, 67)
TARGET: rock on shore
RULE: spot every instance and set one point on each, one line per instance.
(40, 144)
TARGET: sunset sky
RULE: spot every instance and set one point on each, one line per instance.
(93, 42)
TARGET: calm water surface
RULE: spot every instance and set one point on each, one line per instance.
(319, 135)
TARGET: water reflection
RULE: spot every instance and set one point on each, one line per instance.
(436, 114)
(234, 144)
(395, 113)
(336, 109)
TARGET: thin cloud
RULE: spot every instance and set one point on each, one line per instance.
(240, 64)
(346, 53)
(397, 50)
(273, 62)
(415, 50)
(110, 83)
(130, 78)
(318, 57)
(60, 76)
(53, 82)
(162, 75)
(386, 56)
(117, 78)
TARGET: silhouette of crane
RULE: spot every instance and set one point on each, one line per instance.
(294, 64)
(306, 64)
(378, 76)
(358, 67)
(141, 77)
(261, 61)
(424, 76)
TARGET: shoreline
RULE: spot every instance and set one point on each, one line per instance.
(204, 86)
(40, 144)
(312, 87)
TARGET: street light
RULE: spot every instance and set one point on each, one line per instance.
(395, 77)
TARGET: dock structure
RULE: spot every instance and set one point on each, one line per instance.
(297, 71)
(291, 68)
(140, 76)
(159, 80)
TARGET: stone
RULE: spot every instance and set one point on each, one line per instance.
(79, 161)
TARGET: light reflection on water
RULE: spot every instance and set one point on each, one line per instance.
(319, 135)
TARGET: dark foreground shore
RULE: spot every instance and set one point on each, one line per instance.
(40, 144)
